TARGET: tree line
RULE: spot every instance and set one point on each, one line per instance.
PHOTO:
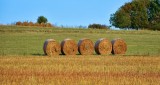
(137, 14)
(42, 22)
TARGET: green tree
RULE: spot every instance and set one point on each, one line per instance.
(138, 14)
(154, 12)
(42, 19)
(121, 19)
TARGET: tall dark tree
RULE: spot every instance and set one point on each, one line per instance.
(154, 12)
(42, 19)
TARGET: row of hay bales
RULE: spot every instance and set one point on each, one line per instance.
(85, 47)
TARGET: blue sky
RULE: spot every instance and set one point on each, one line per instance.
(59, 12)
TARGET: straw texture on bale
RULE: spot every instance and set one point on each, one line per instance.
(85, 47)
(119, 46)
(103, 46)
(69, 47)
(51, 47)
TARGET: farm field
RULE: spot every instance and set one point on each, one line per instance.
(22, 60)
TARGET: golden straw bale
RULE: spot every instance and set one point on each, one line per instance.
(119, 46)
(25, 23)
(69, 47)
(85, 47)
(43, 24)
(51, 47)
(31, 24)
(19, 23)
(103, 46)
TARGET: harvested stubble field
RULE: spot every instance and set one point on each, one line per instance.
(80, 70)
(22, 60)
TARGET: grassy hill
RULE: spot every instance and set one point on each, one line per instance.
(16, 40)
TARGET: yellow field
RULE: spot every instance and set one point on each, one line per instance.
(80, 70)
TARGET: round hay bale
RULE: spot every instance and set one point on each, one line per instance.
(103, 46)
(119, 46)
(69, 47)
(85, 47)
(51, 47)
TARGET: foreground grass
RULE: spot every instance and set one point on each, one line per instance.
(79, 70)
(29, 40)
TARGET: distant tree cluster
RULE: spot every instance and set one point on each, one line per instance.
(41, 22)
(98, 26)
(138, 14)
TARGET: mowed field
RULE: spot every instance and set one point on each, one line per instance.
(23, 62)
